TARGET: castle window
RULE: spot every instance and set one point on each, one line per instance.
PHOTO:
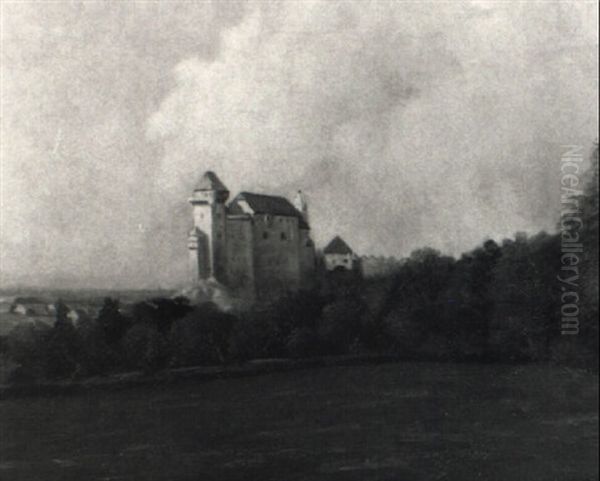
(283, 236)
(265, 235)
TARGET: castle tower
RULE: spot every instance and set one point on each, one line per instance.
(301, 205)
(206, 242)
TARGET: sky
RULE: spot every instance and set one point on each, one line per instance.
(406, 124)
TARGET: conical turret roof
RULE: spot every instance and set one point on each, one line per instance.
(337, 246)
(210, 181)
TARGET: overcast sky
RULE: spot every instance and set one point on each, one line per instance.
(407, 124)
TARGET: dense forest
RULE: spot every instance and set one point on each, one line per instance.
(521, 300)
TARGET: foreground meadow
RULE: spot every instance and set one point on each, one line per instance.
(397, 421)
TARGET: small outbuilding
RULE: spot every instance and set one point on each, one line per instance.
(339, 256)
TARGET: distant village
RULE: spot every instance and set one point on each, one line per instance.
(39, 306)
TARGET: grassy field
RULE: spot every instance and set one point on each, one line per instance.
(403, 422)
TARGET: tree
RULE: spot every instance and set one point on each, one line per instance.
(340, 324)
(144, 348)
(587, 339)
(26, 345)
(160, 312)
(257, 335)
(302, 342)
(62, 314)
(411, 312)
(523, 289)
(297, 310)
(97, 355)
(63, 347)
(202, 336)
(112, 323)
(468, 304)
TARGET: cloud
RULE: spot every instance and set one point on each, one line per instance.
(406, 125)
(290, 88)
(79, 80)
(405, 128)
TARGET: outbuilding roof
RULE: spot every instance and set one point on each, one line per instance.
(337, 246)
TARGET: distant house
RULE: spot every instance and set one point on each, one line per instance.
(30, 306)
(6, 304)
(20, 309)
(339, 256)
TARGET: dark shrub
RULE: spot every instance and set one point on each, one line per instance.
(302, 342)
(404, 333)
(160, 313)
(256, 335)
(26, 345)
(201, 336)
(296, 311)
(112, 323)
(145, 348)
(340, 325)
(97, 356)
(63, 346)
(63, 351)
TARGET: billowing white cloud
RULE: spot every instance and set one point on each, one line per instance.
(405, 128)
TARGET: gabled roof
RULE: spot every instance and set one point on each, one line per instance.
(337, 246)
(266, 204)
(210, 181)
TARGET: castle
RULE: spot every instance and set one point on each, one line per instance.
(257, 246)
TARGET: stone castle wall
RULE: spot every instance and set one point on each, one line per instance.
(276, 257)
(240, 256)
